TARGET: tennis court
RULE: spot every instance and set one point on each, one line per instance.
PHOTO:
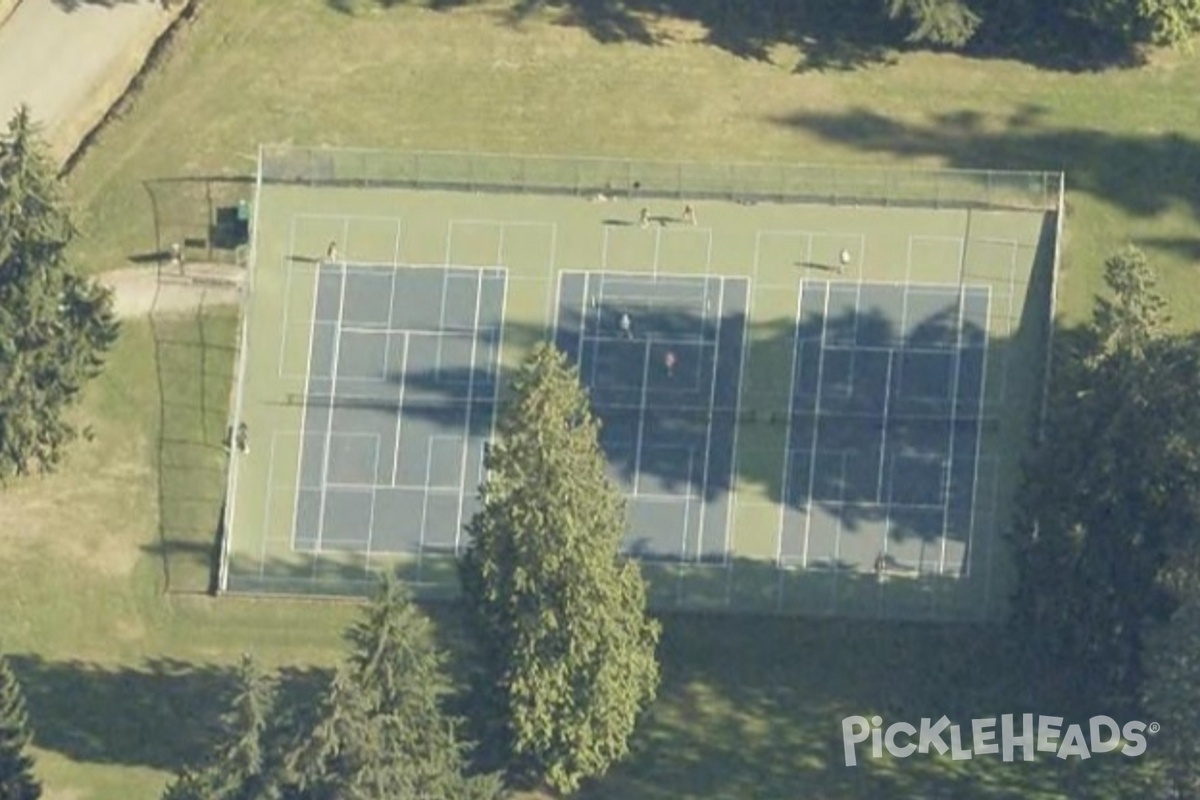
(660, 355)
(815, 385)
(402, 383)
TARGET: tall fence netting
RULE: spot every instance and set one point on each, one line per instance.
(784, 183)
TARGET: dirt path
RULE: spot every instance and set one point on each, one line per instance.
(70, 60)
(141, 291)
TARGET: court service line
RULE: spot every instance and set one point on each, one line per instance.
(785, 475)
(812, 461)
(337, 346)
(708, 431)
(462, 475)
(400, 407)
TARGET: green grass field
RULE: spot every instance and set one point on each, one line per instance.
(123, 678)
(537, 236)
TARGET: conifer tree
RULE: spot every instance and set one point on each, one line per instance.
(382, 732)
(559, 614)
(17, 781)
(55, 324)
(237, 768)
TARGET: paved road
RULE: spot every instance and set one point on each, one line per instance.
(71, 59)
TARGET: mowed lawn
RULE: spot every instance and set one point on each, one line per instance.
(124, 680)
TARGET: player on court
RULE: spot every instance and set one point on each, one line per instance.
(689, 215)
(644, 218)
(669, 362)
(331, 253)
(626, 325)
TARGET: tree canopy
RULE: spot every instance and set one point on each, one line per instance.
(17, 781)
(568, 651)
(55, 324)
(1112, 495)
(379, 730)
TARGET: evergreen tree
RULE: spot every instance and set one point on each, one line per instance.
(560, 616)
(1111, 494)
(382, 732)
(16, 767)
(55, 324)
(950, 23)
(1172, 698)
(237, 768)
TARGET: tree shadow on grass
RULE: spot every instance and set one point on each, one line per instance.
(753, 707)
(826, 34)
(1143, 174)
(163, 714)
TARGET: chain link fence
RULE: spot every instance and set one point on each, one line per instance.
(747, 183)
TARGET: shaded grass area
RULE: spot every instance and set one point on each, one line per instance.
(749, 709)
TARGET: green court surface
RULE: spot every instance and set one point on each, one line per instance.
(815, 386)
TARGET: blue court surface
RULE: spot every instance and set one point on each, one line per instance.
(661, 358)
(401, 397)
(885, 428)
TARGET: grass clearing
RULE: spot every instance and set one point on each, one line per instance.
(752, 711)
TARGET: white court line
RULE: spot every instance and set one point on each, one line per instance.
(708, 432)
(787, 436)
(371, 517)
(400, 408)
(637, 456)
(948, 486)
(551, 260)
(924, 287)
(657, 248)
(812, 461)
(730, 514)
(312, 335)
(387, 342)
(887, 403)
(928, 351)
(498, 380)
(337, 342)
(975, 478)
(687, 513)
(262, 549)
(466, 435)
(615, 275)
(396, 245)
(599, 306)
(287, 296)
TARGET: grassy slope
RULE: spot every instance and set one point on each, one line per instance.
(123, 680)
